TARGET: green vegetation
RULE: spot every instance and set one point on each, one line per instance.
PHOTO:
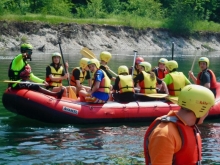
(179, 16)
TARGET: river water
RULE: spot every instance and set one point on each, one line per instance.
(27, 141)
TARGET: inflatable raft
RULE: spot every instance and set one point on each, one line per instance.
(48, 109)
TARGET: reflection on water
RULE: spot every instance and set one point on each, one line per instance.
(26, 141)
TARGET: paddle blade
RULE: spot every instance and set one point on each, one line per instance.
(173, 99)
(87, 53)
(72, 94)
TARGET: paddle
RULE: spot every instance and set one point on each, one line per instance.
(23, 82)
(89, 54)
(72, 94)
(193, 64)
(155, 95)
(135, 54)
(173, 99)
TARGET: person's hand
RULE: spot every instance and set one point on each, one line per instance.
(66, 64)
(107, 67)
(191, 74)
(65, 76)
(46, 84)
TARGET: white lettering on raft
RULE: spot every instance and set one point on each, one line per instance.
(67, 109)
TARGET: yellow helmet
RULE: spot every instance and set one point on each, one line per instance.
(172, 64)
(56, 54)
(94, 61)
(162, 60)
(204, 59)
(196, 98)
(83, 63)
(105, 56)
(146, 65)
(123, 69)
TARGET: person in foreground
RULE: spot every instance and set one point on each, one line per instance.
(100, 89)
(123, 89)
(20, 70)
(175, 138)
(206, 77)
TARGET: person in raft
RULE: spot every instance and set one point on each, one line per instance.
(123, 89)
(147, 81)
(160, 71)
(175, 80)
(105, 57)
(55, 73)
(20, 70)
(79, 74)
(175, 138)
(99, 92)
(206, 77)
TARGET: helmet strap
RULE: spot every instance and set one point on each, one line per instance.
(197, 120)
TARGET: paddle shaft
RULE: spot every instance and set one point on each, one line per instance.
(193, 64)
(135, 54)
(66, 71)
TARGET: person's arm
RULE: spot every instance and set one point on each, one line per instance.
(115, 86)
(164, 85)
(191, 75)
(163, 144)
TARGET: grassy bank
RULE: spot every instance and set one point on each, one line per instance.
(135, 22)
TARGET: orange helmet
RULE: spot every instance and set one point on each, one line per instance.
(139, 60)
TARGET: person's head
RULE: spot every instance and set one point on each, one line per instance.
(161, 63)
(83, 63)
(56, 57)
(105, 57)
(123, 70)
(145, 66)
(171, 65)
(26, 49)
(93, 65)
(203, 63)
(138, 60)
(198, 99)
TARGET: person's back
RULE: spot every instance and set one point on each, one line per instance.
(123, 89)
(175, 80)
(175, 138)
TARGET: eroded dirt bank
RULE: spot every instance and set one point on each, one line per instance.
(75, 36)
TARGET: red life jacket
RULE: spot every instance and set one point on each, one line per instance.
(190, 152)
(160, 73)
(213, 82)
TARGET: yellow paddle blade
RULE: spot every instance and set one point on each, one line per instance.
(87, 53)
(155, 95)
(173, 99)
(72, 94)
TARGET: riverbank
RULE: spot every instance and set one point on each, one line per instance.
(103, 37)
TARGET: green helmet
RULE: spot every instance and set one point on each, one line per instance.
(83, 62)
(25, 47)
(162, 60)
(94, 61)
(172, 64)
(122, 69)
(196, 98)
(105, 56)
(56, 54)
(204, 59)
(146, 65)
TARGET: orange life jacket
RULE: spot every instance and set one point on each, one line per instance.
(104, 84)
(190, 152)
(81, 76)
(213, 82)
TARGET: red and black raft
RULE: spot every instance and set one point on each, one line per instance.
(48, 109)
